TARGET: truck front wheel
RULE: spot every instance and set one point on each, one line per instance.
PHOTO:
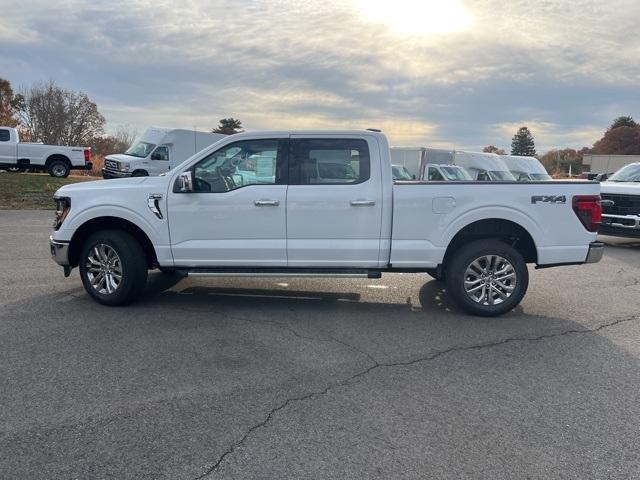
(59, 169)
(113, 267)
(487, 277)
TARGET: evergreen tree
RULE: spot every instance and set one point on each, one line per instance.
(228, 126)
(523, 144)
(624, 121)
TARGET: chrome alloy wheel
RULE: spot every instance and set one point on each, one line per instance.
(104, 269)
(490, 280)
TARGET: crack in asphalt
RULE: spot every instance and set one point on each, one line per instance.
(377, 365)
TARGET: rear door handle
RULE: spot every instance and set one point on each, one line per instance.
(266, 203)
(363, 203)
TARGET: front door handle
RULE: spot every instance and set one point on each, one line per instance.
(363, 203)
(266, 203)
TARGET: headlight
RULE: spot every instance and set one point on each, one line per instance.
(63, 205)
(124, 167)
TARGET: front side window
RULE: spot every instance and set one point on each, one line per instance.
(249, 162)
(5, 136)
(435, 175)
(329, 161)
(160, 153)
(140, 149)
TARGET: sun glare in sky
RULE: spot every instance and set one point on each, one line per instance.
(416, 17)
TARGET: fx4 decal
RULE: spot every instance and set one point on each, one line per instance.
(555, 199)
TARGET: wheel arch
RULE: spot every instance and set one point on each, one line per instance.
(57, 156)
(110, 223)
(507, 231)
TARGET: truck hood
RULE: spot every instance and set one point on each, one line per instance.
(114, 185)
(121, 157)
(624, 188)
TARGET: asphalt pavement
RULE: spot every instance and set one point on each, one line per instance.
(315, 378)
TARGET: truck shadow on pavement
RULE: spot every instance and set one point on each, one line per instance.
(432, 297)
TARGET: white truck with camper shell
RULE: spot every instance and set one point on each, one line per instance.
(58, 160)
(157, 151)
(261, 204)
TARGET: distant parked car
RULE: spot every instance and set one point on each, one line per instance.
(17, 156)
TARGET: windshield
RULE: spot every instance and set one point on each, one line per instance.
(501, 176)
(630, 173)
(140, 149)
(455, 174)
(401, 173)
(540, 176)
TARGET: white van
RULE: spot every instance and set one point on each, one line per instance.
(157, 151)
(484, 167)
(525, 169)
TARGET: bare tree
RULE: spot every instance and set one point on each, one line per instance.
(54, 115)
(494, 149)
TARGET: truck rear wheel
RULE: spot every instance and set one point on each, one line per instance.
(113, 267)
(487, 277)
(59, 169)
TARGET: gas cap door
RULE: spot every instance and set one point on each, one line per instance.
(443, 204)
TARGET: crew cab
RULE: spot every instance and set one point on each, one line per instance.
(621, 202)
(297, 217)
(57, 160)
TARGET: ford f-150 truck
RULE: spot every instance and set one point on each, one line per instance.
(56, 160)
(317, 203)
(621, 205)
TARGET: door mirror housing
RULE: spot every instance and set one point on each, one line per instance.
(156, 156)
(184, 182)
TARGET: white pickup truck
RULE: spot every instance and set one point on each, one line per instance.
(318, 203)
(621, 202)
(56, 160)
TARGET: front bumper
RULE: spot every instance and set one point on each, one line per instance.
(596, 250)
(114, 173)
(59, 252)
(620, 225)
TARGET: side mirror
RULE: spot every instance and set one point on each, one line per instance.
(156, 156)
(413, 176)
(185, 182)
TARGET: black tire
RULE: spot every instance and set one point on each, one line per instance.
(59, 169)
(436, 273)
(133, 267)
(140, 173)
(16, 169)
(456, 272)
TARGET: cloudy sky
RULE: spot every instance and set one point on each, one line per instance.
(433, 73)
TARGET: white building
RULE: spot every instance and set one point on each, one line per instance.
(596, 163)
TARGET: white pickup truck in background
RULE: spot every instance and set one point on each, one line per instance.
(57, 160)
(621, 202)
(318, 203)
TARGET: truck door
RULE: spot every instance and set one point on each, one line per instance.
(159, 160)
(8, 148)
(334, 202)
(232, 219)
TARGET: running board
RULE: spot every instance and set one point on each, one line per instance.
(283, 272)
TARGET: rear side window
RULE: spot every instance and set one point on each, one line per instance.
(5, 136)
(324, 161)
